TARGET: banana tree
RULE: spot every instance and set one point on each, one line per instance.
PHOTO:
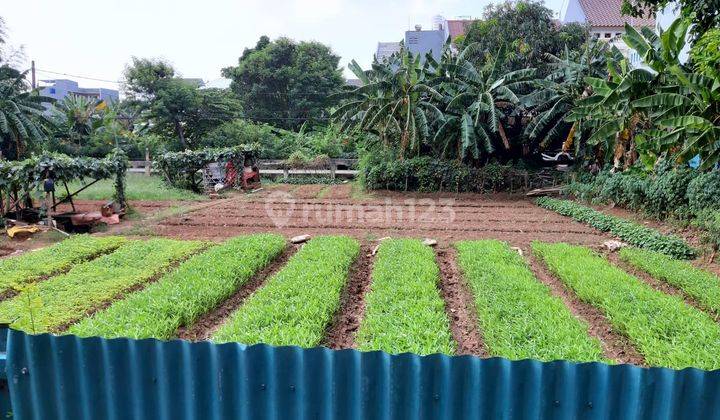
(21, 114)
(685, 113)
(556, 95)
(394, 102)
(474, 98)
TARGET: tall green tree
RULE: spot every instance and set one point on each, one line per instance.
(703, 14)
(286, 83)
(528, 30)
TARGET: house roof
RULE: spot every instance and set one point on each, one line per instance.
(458, 27)
(607, 13)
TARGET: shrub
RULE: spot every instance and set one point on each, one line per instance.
(667, 193)
(239, 132)
(426, 174)
(703, 192)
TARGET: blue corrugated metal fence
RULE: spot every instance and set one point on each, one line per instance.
(72, 378)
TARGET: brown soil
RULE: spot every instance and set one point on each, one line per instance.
(459, 306)
(470, 216)
(308, 191)
(342, 191)
(208, 323)
(658, 285)
(341, 332)
(127, 292)
(615, 345)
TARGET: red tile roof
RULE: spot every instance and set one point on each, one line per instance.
(458, 27)
(607, 13)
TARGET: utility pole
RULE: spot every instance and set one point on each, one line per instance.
(32, 71)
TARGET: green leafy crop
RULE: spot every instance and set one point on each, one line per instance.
(181, 297)
(701, 285)
(663, 328)
(297, 303)
(404, 311)
(21, 270)
(626, 230)
(518, 316)
(68, 297)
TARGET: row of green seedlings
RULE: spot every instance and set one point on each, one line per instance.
(630, 232)
(404, 309)
(183, 296)
(18, 272)
(663, 328)
(298, 303)
(518, 315)
(61, 300)
(701, 285)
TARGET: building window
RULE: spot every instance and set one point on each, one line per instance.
(608, 35)
(597, 35)
(618, 33)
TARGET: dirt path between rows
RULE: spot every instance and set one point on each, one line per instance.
(459, 305)
(659, 285)
(615, 345)
(209, 322)
(340, 334)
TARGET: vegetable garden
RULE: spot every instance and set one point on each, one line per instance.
(258, 288)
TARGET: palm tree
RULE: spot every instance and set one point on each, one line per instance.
(21, 114)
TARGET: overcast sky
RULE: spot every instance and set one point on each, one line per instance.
(97, 38)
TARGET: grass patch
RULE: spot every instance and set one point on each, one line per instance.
(519, 317)
(31, 266)
(138, 187)
(178, 299)
(701, 285)
(629, 231)
(663, 328)
(297, 304)
(68, 297)
(404, 310)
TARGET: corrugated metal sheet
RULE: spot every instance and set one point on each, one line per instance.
(71, 378)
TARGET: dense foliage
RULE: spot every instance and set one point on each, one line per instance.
(285, 83)
(27, 175)
(429, 174)
(529, 30)
(180, 169)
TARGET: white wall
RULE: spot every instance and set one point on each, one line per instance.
(573, 12)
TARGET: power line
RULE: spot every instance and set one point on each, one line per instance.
(79, 77)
